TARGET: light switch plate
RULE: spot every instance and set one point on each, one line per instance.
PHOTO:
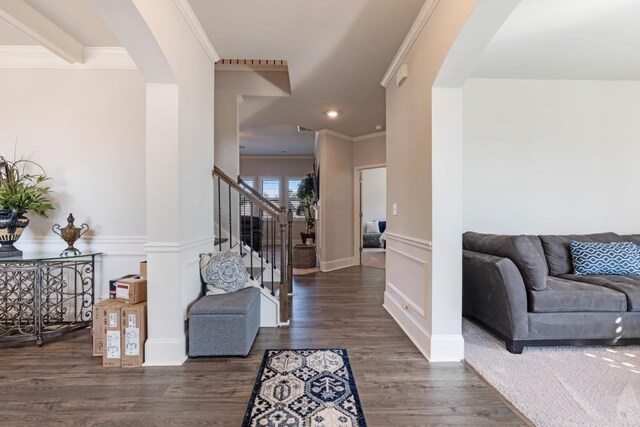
(395, 209)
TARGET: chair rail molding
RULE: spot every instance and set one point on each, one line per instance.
(413, 241)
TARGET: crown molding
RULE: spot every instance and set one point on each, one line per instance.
(336, 134)
(352, 138)
(275, 157)
(410, 39)
(196, 27)
(370, 136)
(96, 58)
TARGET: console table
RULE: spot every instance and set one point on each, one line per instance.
(45, 295)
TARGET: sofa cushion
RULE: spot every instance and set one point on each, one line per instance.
(635, 238)
(616, 258)
(558, 254)
(627, 285)
(525, 252)
(567, 296)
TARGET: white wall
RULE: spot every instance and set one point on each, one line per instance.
(425, 304)
(374, 194)
(86, 128)
(179, 73)
(551, 157)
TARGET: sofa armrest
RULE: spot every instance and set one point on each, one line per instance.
(494, 293)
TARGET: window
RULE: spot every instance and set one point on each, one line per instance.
(292, 190)
(271, 190)
(245, 205)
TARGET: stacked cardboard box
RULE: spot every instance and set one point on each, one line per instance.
(120, 324)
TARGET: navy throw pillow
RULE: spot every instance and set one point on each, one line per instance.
(382, 225)
(617, 258)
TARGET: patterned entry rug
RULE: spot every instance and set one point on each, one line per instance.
(305, 388)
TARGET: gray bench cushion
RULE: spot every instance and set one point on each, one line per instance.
(239, 302)
(566, 296)
(525, 252)
(558, 253)
(627, 285)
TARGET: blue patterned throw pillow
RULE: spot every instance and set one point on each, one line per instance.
(223, 272)
(617, 258)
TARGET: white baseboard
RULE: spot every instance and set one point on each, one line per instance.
(337, 264)
(416, 332)
(165, 352)
(436, 348)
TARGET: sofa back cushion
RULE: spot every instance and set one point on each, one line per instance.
(558, 254)
(616, 258)
(525, 251)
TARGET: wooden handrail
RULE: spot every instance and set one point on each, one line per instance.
(257, 193)
(267, 207)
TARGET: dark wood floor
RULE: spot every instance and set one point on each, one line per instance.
(61, 384)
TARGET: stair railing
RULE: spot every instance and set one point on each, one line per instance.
(260, 237)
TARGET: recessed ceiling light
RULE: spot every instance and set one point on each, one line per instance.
(332, 113)
(378, 127)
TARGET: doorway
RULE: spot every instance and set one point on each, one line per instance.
(373, 216)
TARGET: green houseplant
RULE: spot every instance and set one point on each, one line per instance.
(21, 193)
(307, 196)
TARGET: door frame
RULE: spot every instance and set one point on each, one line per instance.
(357, 209)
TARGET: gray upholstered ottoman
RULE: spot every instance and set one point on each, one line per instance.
(224, 325)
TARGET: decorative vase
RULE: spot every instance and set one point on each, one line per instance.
(70, 234)
(12, 225)
(306, 236)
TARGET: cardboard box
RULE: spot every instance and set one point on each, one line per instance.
(131, 290)
(143, 270)
(97, 328)
(112, 342)
(134, 334)
(112, 284)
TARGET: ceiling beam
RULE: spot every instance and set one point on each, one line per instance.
(25, 18)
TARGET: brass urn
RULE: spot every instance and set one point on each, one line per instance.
(70, 234)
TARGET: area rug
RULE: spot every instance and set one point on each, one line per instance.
(297, 388)
(561, 386)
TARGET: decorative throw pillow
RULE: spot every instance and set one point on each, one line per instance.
(382, 226)
(223, 272)
(371, 227)
(616, 258)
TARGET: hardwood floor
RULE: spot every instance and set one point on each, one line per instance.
(61, 384)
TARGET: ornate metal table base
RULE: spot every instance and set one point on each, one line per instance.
(42, 297)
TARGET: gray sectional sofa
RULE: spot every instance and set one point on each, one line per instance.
(522, 288)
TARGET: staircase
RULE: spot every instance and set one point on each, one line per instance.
(261, 232)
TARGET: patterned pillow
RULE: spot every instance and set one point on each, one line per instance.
(617, 258)
(223, 272)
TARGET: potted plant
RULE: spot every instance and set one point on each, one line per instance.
(20, 193)
(307, 196)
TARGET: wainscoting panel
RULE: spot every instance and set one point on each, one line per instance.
(408, 269)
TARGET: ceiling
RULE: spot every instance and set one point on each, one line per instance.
(337, 53)
(275, 140)
(566, 39)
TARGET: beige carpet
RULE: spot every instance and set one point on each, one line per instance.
(375, 258)
(561, 386)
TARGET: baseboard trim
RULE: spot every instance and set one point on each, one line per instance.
(337, 264)
(435, 348)
(165, 352)
(415, 331)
